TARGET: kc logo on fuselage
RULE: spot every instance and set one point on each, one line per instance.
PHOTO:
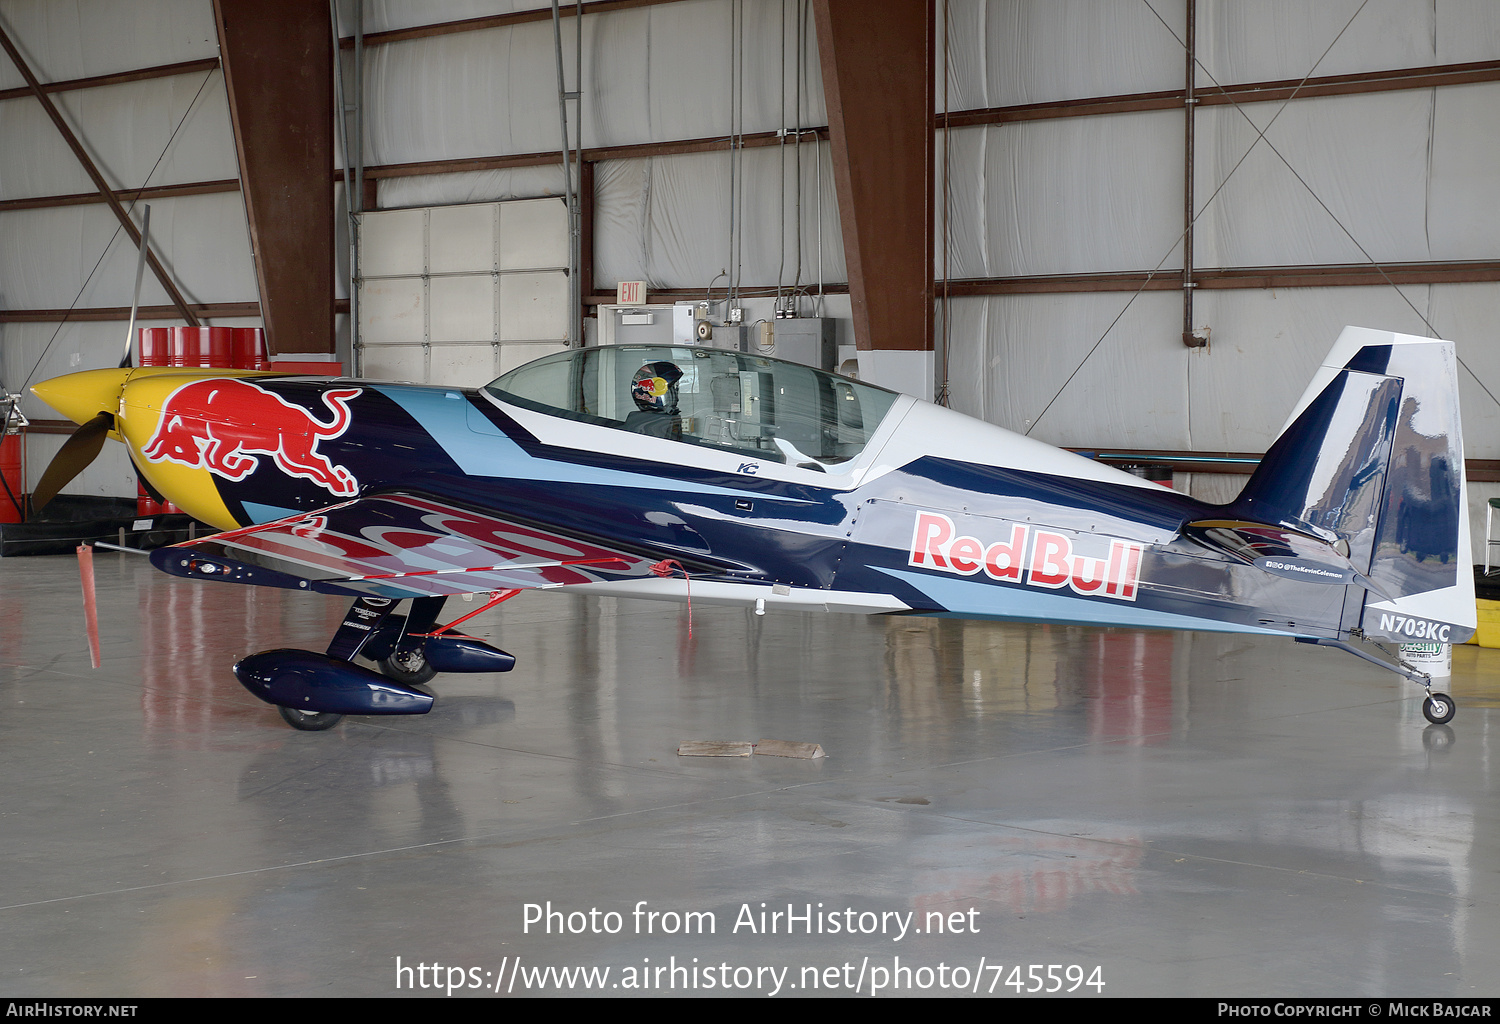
(1034, 556)
(222, 424)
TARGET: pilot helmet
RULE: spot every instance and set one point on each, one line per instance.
(654, 387)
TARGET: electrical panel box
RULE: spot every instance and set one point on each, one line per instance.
(809, 340)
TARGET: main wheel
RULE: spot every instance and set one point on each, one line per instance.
(409, 668)
(1439, 708)
(309, 721)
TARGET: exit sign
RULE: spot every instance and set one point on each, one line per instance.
(631, 293)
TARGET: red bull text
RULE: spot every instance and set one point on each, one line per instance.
(221, 425)
(1035, 556)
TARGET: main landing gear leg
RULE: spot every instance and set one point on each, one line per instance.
(408, 662)
(314, 691)
(1438, 708)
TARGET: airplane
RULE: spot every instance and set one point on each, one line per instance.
(696, 473)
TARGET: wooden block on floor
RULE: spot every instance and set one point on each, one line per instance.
(786, 748)
(716, 748)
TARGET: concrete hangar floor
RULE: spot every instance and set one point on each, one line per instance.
(1160, 813)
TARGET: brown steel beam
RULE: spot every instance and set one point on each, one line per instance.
(1484, 471)
(1330, 276)
(1124, 281)
(766, 291)
(753, 140)
(1364, 81)
(876, 57)
(631, 152)
(456, 165)
(185, 67)
(35, 87)
(278, 71)
(445, 28)
(1254, 92)
(207, 310)
(49, 427)
(1124, 103)
(190, 188)
(1431, 272)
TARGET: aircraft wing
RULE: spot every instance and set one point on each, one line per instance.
(398, 546)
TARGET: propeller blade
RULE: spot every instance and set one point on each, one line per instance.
(81, 448)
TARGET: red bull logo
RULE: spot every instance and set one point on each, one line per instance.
(1034, 556)
(222, 425)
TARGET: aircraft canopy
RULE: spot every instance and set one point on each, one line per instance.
(768, 408)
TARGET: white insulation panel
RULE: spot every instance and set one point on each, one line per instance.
(68, 39)
(1011, 355)
(651, 73)
(50, 258)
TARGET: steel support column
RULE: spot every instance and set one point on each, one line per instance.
(878, 80)
(278, 68)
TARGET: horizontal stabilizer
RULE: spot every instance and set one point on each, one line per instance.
(1281, 552)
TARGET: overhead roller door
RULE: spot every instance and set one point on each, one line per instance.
(460, 294)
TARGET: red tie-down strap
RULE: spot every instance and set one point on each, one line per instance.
(496, 596)
(664, 569)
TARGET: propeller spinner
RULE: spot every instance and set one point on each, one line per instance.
(90, 399)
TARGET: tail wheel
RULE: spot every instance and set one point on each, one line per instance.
(1439, 708)
(309, 721)
(407, 667)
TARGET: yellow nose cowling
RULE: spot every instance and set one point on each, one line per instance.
(82, 396)
(134, 397)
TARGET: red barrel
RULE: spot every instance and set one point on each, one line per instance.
(193, 346)
(155, 346)
(249, 348)
(10, 469)
(218, 349)
(185, 347)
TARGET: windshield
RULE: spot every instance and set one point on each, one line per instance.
(749, 404)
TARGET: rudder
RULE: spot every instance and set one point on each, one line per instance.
(1372, 460)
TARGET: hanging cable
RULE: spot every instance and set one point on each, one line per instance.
(1318, 199)
(1260, 135)
(799, 72)
(781, 153)
(107, 245)
(734, 11)
(739, 150)
(943, 398)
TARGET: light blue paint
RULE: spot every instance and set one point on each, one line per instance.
(970, 597)
(268, 513)
(495, 455)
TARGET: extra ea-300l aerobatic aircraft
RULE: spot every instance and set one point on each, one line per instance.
(676, 472)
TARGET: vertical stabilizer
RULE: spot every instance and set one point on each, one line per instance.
(1372, 461)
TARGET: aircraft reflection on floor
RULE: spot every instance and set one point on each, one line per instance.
(1122, 679)
(184, 688)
